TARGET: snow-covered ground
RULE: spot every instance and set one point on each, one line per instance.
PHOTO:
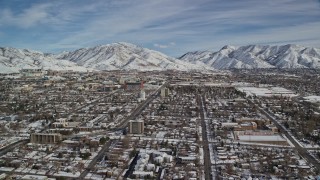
(312, 99)
(267, 91)
(10, 140)
(249, 138)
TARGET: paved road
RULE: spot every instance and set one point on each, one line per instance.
(13, 145)
(207, 159)
(141, 107)
(95, 159)
(302, 151)
(131, 166)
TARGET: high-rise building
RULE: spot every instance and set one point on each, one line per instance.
(165, 92)
(136, 126)
(132, 86)
(142, 95)
(45, 138)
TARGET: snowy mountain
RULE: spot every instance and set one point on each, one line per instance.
(256, 56)
(125, 56)
(11, 60)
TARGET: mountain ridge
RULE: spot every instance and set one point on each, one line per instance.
(12, 60)
(257, 56)
(126, 56)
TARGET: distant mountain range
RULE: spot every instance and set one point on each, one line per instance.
(257, 56)
(126, 56)
(11, 60)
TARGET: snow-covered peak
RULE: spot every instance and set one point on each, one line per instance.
(257, 56)
(228, 47)
(12, 60)
(124, 56)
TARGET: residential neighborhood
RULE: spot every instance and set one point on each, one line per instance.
(159, 90)
(237, 124)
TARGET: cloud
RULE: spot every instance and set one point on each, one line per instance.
(204, 24)
(303, 34)
(125, 23)
(160, 46)
(29, 17)
(164, 46)
(148, 21)
(49, 14)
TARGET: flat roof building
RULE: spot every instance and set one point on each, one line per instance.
(45, 138)
(136, 126)
(165, 92)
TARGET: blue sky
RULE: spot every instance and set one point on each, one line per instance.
(173, 27)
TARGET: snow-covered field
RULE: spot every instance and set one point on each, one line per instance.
(312, 99)
(249, 138)
(267, 91)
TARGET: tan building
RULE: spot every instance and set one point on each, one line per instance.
(60, 123)
(136, 126)
(165, 92)
(32, 72)
(273, 128)
(260, 122)
(45, 138)
(247, 126)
